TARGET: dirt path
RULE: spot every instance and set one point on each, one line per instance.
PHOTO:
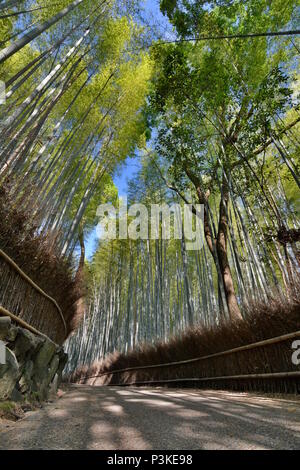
(133, 418)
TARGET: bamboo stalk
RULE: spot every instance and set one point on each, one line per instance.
(35, 32)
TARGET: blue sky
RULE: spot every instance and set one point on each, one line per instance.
(126, 172)
(130, 167)
(152, 11)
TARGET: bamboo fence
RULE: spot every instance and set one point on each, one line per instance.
(22, 298)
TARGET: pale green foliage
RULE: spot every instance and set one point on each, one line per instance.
(89, 119)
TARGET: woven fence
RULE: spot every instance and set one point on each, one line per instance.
(266, 365)
(258, 353)
(26, 300)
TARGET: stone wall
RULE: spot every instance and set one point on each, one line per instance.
(33, 364)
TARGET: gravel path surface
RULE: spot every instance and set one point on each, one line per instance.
(115, 418)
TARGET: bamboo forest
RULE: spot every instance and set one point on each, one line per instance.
(177, 102)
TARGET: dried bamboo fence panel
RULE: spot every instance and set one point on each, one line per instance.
(25, 299)
(265, 365)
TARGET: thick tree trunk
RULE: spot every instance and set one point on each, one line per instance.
(233, 307)
(218, 246)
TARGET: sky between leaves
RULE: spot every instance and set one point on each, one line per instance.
(131, 165)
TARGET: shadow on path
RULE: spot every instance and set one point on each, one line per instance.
(116, 418)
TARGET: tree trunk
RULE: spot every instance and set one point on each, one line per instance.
(218, 246)
(234, 310)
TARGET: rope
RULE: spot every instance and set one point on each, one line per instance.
(266, 342)
(275, 375)
(294, 32)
